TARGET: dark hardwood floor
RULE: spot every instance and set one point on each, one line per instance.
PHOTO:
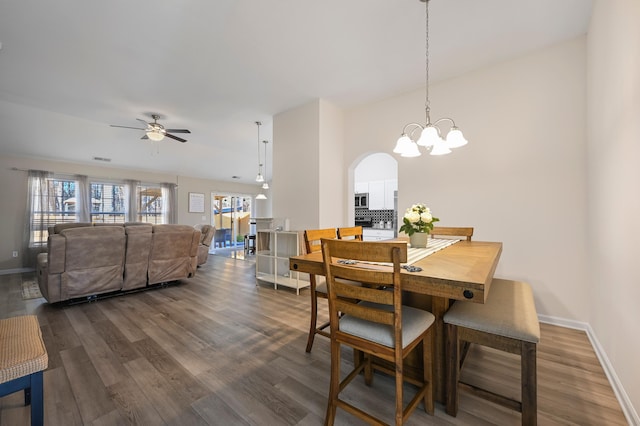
(219, 350)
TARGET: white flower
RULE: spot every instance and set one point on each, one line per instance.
(413, 216)
(418, 218)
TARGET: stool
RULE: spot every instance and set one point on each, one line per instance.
(249, 244)
(23, 358)
(507, 321)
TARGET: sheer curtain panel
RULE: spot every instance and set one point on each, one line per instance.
(39, 202)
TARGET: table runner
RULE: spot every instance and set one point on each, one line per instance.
(416, 254)
(433, 245)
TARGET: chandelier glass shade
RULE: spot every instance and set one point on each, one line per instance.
(430, 134)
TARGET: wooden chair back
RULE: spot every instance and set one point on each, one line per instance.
(452, 231)
(350, 233)
(312, 238)
(344, 298)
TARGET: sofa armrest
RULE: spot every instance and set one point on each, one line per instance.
(56, 254)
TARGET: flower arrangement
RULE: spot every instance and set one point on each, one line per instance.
(418, 218)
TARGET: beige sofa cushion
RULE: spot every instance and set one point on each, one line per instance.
(94, 260)
(174, 253)
(136, 264)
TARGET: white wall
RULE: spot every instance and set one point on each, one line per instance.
(296, 167)
(308, 174)
(522, 178)
(614, 176)
(332, 182)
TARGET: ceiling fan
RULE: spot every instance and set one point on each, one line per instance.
(156, 131)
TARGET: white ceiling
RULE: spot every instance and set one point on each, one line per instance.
(70, 68)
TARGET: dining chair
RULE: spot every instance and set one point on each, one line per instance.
(318, 286)
(451, 231)
(352, 232)
(507, 321)
(374, 322)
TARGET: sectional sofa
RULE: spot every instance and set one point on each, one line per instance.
(85, 260)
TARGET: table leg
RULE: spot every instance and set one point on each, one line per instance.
(439, 306)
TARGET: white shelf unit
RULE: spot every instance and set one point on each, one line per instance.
(274, 248)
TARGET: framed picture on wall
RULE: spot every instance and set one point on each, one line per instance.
(196, 202)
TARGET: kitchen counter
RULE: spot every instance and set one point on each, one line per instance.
(378, 234)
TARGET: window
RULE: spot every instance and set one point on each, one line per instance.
(57, 199)
(108, 203)
(150, 204)
(53, 200)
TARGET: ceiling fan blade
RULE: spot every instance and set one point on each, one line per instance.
(127, 127)
(145, 136)
(145, 123)
(175, 137)
(178, 131)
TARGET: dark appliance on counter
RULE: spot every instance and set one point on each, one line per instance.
(362, 201)
(365, 222)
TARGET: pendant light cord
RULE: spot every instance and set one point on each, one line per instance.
(426, 101)
(259, 162)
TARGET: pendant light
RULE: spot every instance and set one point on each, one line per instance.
(265, 185)
(430, 135)
(259, 178)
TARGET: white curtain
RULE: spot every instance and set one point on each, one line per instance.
(36, 223)
(169, 195)
(130, 188)
(83, 199)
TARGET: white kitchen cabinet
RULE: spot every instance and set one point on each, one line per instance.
(381, 194)
(361, 188)
(390, 187)
(374, 234)
(274, 248)
(376, 195)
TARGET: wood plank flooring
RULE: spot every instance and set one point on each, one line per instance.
(219, 350)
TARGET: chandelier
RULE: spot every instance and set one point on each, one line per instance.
(430, 134)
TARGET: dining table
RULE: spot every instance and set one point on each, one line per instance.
(460, 271)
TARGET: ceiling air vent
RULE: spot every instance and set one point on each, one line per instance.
(103, 159)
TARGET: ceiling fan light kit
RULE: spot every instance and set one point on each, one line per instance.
(156, 131)
(430, 135)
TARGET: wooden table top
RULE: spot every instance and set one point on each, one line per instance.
(462, 271)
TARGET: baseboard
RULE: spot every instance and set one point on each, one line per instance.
(16, 271)
(625, 403)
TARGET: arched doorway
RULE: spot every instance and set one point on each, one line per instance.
(375, 190)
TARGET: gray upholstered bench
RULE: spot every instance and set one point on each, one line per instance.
(507, 321)
(23, 358)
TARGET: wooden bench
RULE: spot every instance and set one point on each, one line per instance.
(23, 358)
(507, 321)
